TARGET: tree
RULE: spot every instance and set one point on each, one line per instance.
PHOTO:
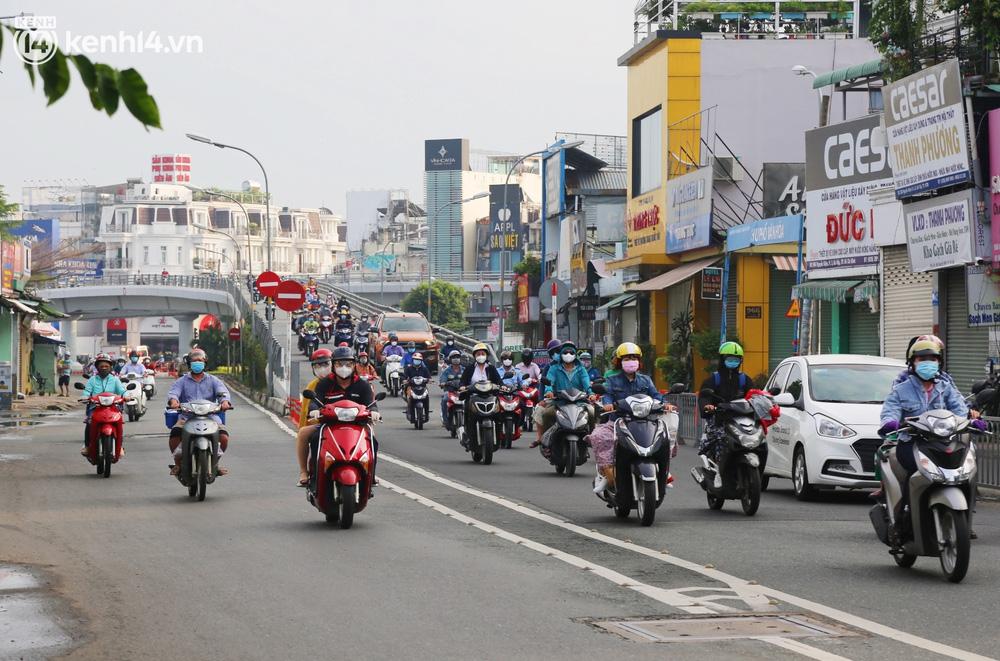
(530, 266)
(448, 304)
(7, 211)
(105, 84)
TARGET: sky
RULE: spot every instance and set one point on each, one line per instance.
(331, 96)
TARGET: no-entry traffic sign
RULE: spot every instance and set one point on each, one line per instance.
(289, 295)
(267, 283)
(234, 333)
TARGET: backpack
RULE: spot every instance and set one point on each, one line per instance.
(717, 379)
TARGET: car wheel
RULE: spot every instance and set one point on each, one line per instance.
(800, 476)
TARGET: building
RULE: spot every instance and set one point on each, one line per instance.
(394, 230)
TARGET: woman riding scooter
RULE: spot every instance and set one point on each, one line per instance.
(565, 374)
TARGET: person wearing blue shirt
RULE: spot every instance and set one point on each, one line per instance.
(417, 367)
(408, 356)
(585, 360)
(452, 373)
(103, 381)
(567, 374)
(197, 385)
(133, 367)
(510, 376)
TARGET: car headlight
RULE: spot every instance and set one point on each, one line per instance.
(928, 468)
(831, 428)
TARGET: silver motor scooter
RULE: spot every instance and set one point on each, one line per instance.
(935, 523)
(199, 446)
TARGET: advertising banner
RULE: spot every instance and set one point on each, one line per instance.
(7, 251)
(554, 200)
(505, 227)
(117, 331)
(925, 128)
(784, 189)
(644, 227)
(447, 154)
(764, 232)
(939, 232)
(984, 296)
(578, 259)
(994, 215)
(711, 283)
(843, 229)
(689, 216)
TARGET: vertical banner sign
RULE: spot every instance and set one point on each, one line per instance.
(711, 283)
(117, 331)
(578, 259)
(994, 127)
(505, 226)
(7, 264)
(925, 129)
(939, 232)
(689, 215)
(843, 232)
(784, 189)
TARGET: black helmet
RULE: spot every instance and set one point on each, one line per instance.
(411, 345)
(343, 353)
(393, 337)
(527, 354)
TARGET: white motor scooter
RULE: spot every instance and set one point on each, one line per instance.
(149, 384)
(135, 399)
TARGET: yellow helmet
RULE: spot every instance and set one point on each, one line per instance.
(480, 347)
(628, 349)
(925, 345)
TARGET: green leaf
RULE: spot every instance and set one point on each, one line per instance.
(55, 75)
(137, 99)
(95, 100)
(107, 88)
(87, 72)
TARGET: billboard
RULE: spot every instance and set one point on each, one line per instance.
(784, 189)
(925, 129)
(505, 227)
(939, 232)
(171, 168)
(689, 211)
(553, 175)
(764, 232)
(843, 228)
(41, 233)
(983, 297)
(994, 197)
(446, 154)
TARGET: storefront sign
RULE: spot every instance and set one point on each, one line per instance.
(925, 128)
(7, 251)
(939, 232)
(764, 232)
(586, 307)
(5, 376)
(711, 283)
(994, 215)
(117, 331)
(552, 172)
(983, 296)
(159, 326)
(644, 226)
(843, 228)
(784, 189)
(449, 154)
(689, 211)
(752, 312)
(505, 226)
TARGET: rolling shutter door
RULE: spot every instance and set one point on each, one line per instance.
(906, 302)
(862, 329)
(966, 349)
(781, 329)
(732, 304)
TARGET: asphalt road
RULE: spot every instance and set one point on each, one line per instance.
(450, 560)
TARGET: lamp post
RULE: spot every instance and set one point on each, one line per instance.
(381, 270)
(504, 215)
(434, 215)
(267, 229)
(245, 216)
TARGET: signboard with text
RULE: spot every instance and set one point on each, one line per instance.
(446, 154)
(553, 173)
(983, 297)
(784, 189)
(764, 232)
(689, 211)
(711, 283)
(939, 232)
(505, 226)
(994, 194)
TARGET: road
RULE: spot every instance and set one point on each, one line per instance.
(451, 560)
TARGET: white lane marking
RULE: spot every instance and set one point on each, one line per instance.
(798, 646)
(741, 587)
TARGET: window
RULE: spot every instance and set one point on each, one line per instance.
(795, 382)
(851, 384)
(647, 134)
(408, 324)
(779, 376)
(875, 104)
(163, 255)
(145, 255)
(180, 254)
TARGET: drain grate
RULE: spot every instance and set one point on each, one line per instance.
(721, 627)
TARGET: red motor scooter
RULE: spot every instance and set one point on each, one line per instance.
(340, 471)
(106, 429)
(529, 399)
(509, 420)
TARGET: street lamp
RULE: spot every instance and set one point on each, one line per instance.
(503, 214)
(212, 229)
(434, 215)
(267, 222)
(800, 70)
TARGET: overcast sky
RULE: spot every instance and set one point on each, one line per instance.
(331, 96)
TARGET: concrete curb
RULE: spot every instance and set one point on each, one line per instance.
(273, 404)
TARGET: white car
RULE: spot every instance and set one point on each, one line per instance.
(828, 437)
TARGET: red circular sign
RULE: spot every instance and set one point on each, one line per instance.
(290, 295)
(234, 333)
(267, 282)
(117, 324)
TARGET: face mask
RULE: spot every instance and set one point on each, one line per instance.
(927, 369)
(104, 371)
(586, 363)
(456, 361)
(732, 363)
(410, 350)
(197, 366)
(630, 366)
(344, 371)
(418, 363)
(363, 361)
(134, 359)
(527, 360)
(480, 359)
(568, 357)
(393, 343)
(322, 372)
(508, 362)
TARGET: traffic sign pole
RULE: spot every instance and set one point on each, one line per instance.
(267, 282)
(555, 309)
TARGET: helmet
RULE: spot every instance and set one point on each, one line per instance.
(527, 353)
(504, 355)
(585, 355)
(628, 349)
(418, 356)
(568, 344)
(480, 347)
(343, 353)
(455, 354)
(103, 357)
(450, 339)
(321, 356)
(133, 352)
(393, 337)
(925, 346)
(730, 349)
(553, 346)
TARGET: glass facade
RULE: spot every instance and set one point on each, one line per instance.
(445, 246)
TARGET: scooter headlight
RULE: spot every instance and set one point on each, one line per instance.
(641, 408)
(347, 414)
(969, 465)
(106, 400)
(928, 468)
(508, 406)
(201, 408)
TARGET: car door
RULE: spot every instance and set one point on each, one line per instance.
(794, 419)
(777, 434)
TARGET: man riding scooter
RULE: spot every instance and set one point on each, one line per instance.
(728, 383)
(415, 368)
(103, 381)
(133, 367)
(452, 373)
(392, 348)
(194, 386)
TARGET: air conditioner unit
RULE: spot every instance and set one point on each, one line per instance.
(725, 168)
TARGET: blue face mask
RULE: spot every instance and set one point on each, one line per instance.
(927, 369)
(418, 363)
(134, 359)
(197, 366)
(410, 349)
(732, 363)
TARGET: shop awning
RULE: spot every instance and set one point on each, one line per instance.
(835, 291)
(672, 277)
(866, 291)
(601, 267)
(787, 263)
(848, 73)
(617, 302)
(15, 304)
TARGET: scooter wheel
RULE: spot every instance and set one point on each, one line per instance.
(622, 511)
(714, 502)
(904, 560)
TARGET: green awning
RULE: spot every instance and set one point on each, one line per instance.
(867, 290)
(848, 73)
(619, 301)
(825, 290)
(50, 312)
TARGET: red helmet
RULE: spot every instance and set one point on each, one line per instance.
(321, 356)
(363, 354)
(103, 357)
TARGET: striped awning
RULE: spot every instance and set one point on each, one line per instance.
(621, 301)
(836, 291)
(787, 263)
(866, 291)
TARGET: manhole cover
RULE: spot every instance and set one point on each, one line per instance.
(721, 627)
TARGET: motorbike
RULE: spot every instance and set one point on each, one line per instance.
(105, 432)
(645, 438)
(149, 384)
(743, 457)
(417, 409)
(325, 328)
(340, 467)
(394, 374)
(478, 431)
(936, 521)
(985, 393)
(135, 399)
(509, 420)
(529, 398)
(567, 448)
(361, 341)
(199, 444)
(455, 412)
(310, 342)
(343, 335)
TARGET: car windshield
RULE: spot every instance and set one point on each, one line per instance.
(408, 324)
(851, 384)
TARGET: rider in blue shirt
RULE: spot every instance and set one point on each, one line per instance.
(103, 381)
(451, 373)
(585, 360)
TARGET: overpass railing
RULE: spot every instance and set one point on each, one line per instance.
(347, 277)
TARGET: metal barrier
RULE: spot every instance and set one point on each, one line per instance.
(988, 455)
(691, 425)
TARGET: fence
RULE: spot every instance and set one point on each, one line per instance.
(691, 424)
(988, 455)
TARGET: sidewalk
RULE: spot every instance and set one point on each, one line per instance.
(34, 403)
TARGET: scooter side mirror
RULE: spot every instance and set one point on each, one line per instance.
(308, 394)
(984, 397)
(380, 396)
(598, 388)
(79, 386)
